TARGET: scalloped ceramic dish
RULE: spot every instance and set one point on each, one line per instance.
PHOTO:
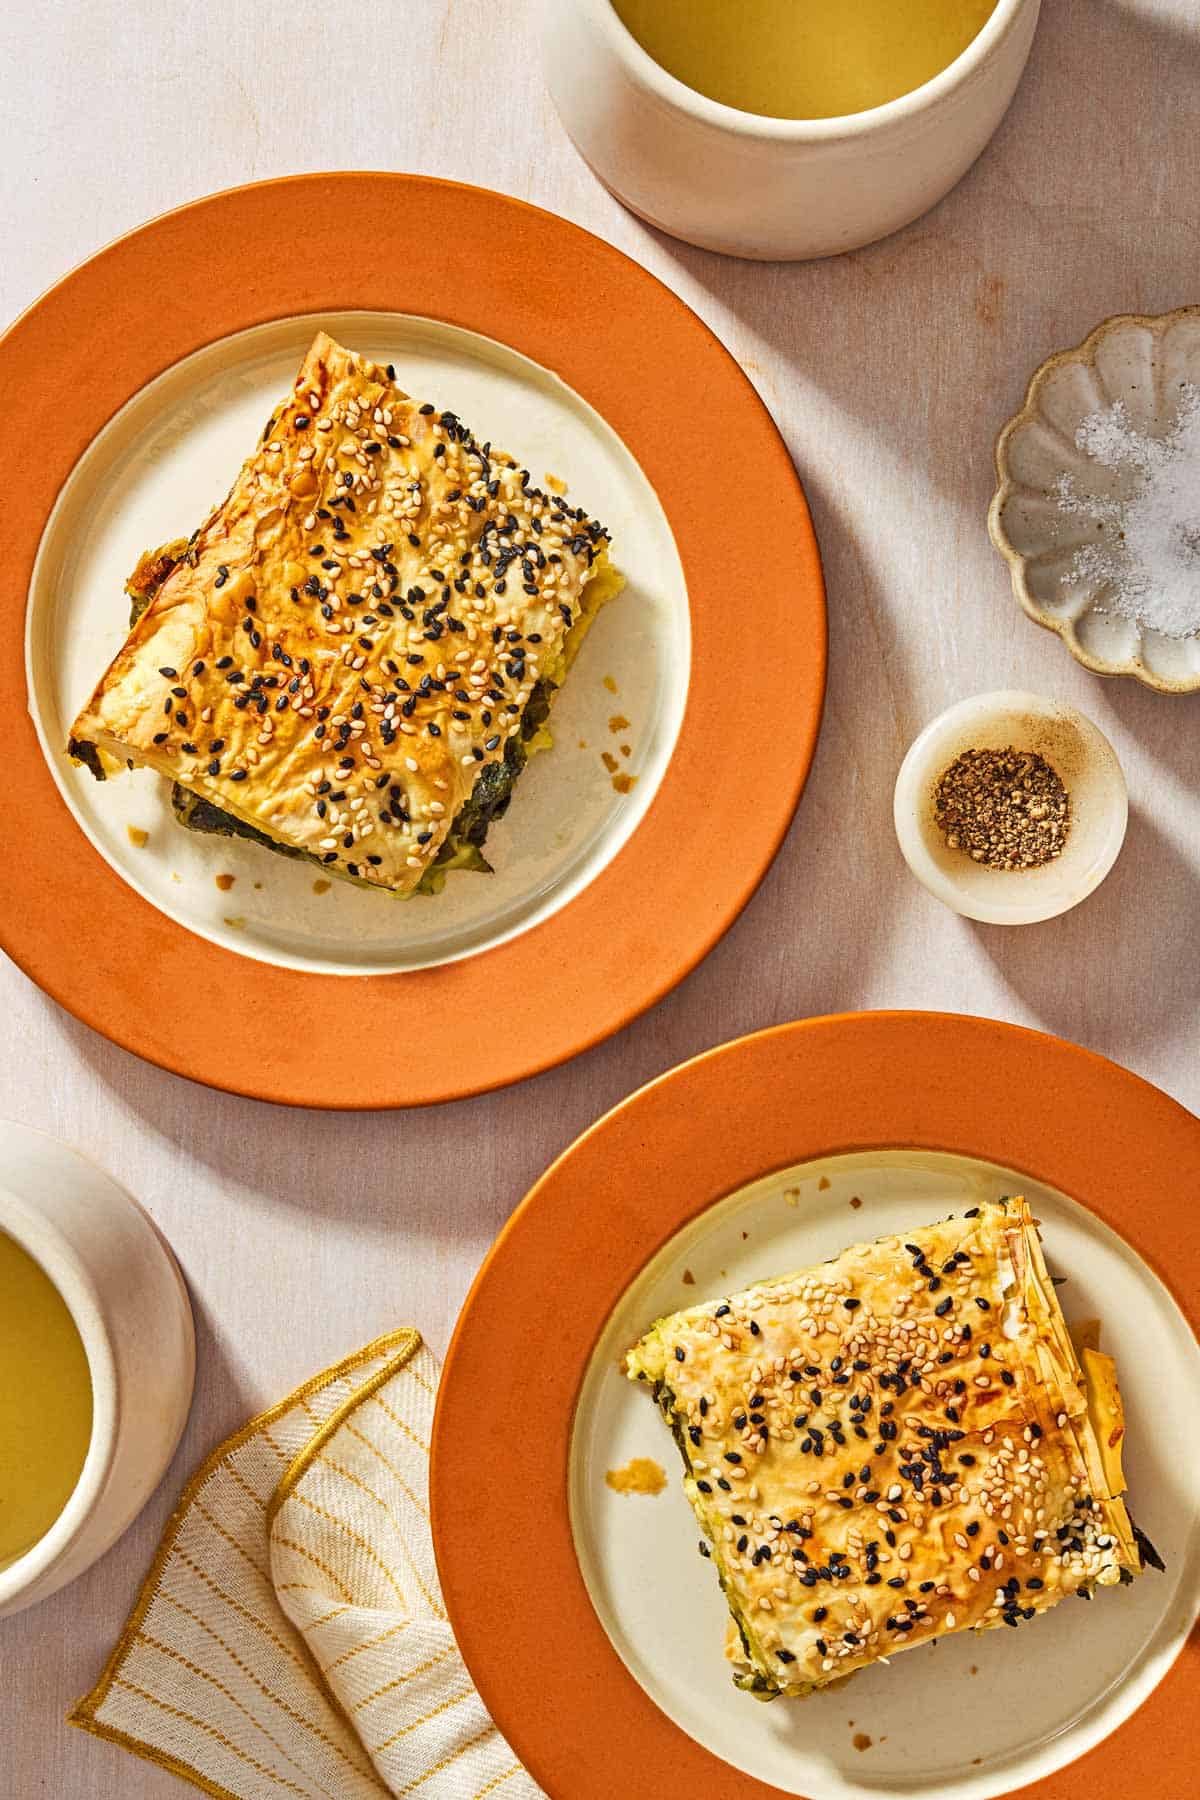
(1141, 361)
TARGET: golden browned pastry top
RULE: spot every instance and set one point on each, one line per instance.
(354, 633)
(891, 1446)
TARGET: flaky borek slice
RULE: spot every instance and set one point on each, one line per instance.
(345, 656)
(895, 1445)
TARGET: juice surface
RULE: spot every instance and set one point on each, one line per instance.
(804, 59)
(45, 1401)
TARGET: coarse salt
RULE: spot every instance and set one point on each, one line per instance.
(1146, 554)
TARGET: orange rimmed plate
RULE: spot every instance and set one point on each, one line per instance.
(180, 338)
(590, 1625)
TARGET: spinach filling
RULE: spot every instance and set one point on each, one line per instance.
(488, 801)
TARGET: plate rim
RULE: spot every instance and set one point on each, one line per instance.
(533, 1644)
(653, 369)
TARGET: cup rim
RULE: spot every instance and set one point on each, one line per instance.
(674, 92)
(43, 1240)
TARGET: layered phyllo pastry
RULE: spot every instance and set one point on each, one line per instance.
(353, 658)
(896, 1445)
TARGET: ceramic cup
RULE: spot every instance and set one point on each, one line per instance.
(773, 188)
(127, 1297)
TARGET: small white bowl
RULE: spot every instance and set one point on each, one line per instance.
(1142, 361)
(769, 188)
(1084, 759)
(124, 1290)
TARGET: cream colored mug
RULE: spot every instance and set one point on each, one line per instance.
(125, 1293)
(775, 189)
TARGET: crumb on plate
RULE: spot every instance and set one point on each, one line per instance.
(641, 1476)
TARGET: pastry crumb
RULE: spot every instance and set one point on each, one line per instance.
(555, 483)
(618, 722)
(823, 1184)
(641, 1476)
(322, 887)
(137, 837)
(855, 1201)
(610, 684)
(689, 1280)
(236, 923)
(624, 784)
(1085, 1334)
(792, 1196)
(224, 882)
(861, 1741)
(610, 762)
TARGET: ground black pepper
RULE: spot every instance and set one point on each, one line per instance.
(1006, 809)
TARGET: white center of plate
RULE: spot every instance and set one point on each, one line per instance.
(154, 473)
(965, 1717)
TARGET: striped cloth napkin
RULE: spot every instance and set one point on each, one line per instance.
(290, 1639)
